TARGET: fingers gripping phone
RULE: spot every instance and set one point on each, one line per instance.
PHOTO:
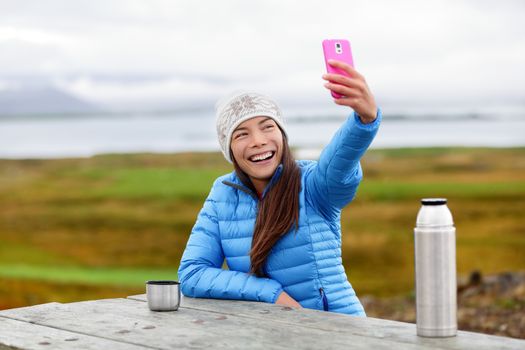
(337, 49)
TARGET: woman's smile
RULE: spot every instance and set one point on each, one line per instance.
(261, 157)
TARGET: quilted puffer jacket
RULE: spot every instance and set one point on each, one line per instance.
(305, 263)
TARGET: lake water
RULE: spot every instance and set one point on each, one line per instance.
(75, 136)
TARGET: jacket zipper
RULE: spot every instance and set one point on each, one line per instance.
(256, 196)
(325, 301)
(241, 188)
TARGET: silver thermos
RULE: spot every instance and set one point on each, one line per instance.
(435, 262)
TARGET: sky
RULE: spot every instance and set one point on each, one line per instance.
(147, 53)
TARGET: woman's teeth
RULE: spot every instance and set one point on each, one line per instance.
(262, 156)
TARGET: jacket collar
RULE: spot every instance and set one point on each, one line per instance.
(237, 183)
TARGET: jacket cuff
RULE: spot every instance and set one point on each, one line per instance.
(278, 292)
(370, 126)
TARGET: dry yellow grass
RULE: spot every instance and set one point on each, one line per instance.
(136, 211)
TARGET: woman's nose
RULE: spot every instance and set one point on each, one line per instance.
(258, 139)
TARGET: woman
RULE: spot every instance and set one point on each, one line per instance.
(277, 221)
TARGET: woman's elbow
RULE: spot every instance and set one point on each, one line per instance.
(186, 286)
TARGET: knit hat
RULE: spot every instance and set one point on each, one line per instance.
(239, 107)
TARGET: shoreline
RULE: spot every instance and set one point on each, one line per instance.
(310, 153)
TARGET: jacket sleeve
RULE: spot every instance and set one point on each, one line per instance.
(332, 182)
(200, 271)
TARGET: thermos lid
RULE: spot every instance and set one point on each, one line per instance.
(434, 213)
(164, 283)
(434, 201)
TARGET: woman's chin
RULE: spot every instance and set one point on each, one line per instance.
(262, 173)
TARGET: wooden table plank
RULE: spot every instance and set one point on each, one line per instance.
(401, 332)
(24, 335)
(131, 321)
(204, 323)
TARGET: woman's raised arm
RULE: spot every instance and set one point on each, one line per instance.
(332, 182)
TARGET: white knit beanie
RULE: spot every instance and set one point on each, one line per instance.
(239, 107)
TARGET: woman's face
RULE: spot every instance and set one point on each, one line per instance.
(257, 146)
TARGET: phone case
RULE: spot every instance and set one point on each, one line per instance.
(337, 49)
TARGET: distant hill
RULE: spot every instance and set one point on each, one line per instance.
(41, 100)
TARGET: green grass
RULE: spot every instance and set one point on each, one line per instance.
(97, 276)
(162, 183)
(397, 190)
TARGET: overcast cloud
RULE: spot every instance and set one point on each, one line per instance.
(153, 52)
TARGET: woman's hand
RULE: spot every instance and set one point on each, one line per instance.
(354, 89)
(286, 300)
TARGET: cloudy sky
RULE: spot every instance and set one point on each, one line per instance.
(166, 52)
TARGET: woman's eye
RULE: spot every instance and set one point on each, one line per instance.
(269, 126)
(239, 135)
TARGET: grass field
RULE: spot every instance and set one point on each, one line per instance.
(74, 229)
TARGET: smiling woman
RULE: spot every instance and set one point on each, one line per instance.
(277, 221)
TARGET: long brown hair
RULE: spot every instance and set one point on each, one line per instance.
(277, 212)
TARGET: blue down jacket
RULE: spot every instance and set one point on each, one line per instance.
(306, 263)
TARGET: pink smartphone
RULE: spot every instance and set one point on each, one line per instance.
(337, 49)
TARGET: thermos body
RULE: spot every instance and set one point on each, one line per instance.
(435, 270)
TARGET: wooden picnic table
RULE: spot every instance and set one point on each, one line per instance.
(127, 323)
